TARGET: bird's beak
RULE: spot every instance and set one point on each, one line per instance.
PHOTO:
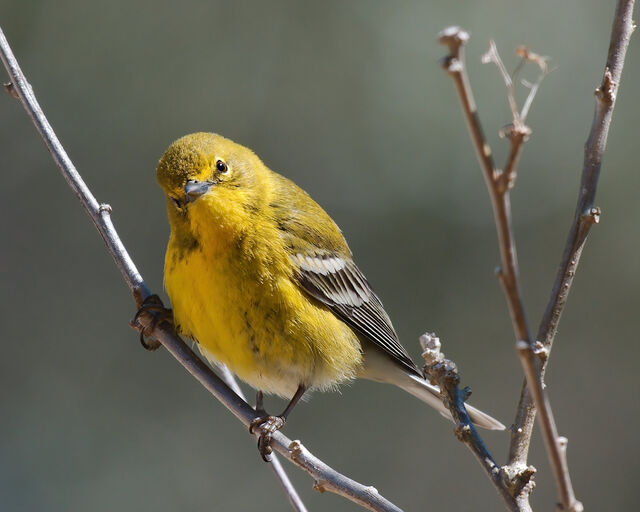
(194, 189)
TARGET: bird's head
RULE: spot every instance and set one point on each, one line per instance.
(210, 182)
(198, 164)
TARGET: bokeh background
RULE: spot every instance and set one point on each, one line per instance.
(347, 99)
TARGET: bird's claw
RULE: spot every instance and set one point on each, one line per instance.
(267, 425)
(151, 313)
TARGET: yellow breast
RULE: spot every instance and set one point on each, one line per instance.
(234, 292)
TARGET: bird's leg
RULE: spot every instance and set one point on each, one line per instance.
(260, 410)
(151, 313)
(269, 424)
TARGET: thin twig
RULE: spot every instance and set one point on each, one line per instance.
(520, 478)
(498, 184)
(325, 477)
(492, 55)
(276, 466)
(529, 56)
(586, 214)
(557, 452)
(517, 136)
(444, 373)
(517, 132)
(455, 38)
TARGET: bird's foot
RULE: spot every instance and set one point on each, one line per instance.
(151, 313)
(267, 425)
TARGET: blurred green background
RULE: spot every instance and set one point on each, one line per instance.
(347, 99)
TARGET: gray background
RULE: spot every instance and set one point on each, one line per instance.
(347, 99)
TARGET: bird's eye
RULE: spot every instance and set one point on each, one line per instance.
(221, 166)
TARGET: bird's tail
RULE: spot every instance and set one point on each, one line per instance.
(379, 367)
(430, 394)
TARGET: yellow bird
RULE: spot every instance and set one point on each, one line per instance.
(262, 279)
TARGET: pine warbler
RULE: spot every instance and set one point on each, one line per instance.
(263, 280)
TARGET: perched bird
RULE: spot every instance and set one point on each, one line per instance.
(262, 279)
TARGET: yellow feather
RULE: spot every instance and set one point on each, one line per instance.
(242, 238)
(229, 274)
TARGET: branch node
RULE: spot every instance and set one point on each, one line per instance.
(536, 349)
(462, 432)
(576, 506)
(105, 208)
(319, 486)
(540, 60)
(453, 37)
(295, 448)
(429, 341)
(562, 443)
(519, 478)
(606, 93)
(492, 55)
(11, 90)
(519, 132)
(451, 65)
(440, 371)
(540, 351)
(504, 181)
(592, 215)
(502, 277)
(523, 346)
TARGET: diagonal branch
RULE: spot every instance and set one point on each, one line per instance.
(585, 216)
(498, 184)
(455, 38)
(444, 373)
(287, 486)
(520, 478)
(586, 213)
(326, 478)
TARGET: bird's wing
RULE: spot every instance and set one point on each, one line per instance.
(326, 271)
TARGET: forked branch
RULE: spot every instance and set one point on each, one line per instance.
(444, 373)
(586, 215)
(534, 355)
(498, 184)
(454, 63)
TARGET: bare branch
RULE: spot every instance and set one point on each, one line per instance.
(517, 132)
(286, 484)
(498, 184)
(586, 213)
(585, 216)
(454, 64)
(444, 373)
(557, 452)
(455, 38)
(517, 136)
(541, 61)
(326, 478)
(493, 55)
